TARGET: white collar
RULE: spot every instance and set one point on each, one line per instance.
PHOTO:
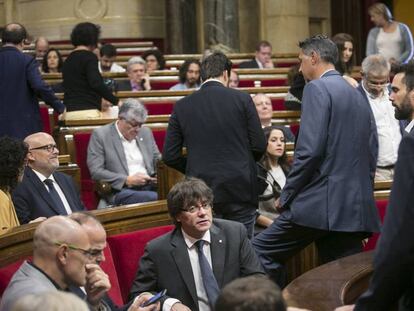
(190, 241)
(409, 127)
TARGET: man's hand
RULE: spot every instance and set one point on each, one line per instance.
(138, 179)
(269, 64)
(136, 305)
(105, 105)
(345, 308)
(180, 307)
(97, 284)
(147, 85)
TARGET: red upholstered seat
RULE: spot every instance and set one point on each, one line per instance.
(6, 274)
(44, 115)
(159, 137)
(278, 104)
(382, 209)
(109, 268)
(88, 195)
(270, 82)
(127, 250)
(295, 129)
(163, 85)
(155, 108)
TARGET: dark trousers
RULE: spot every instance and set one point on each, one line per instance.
(283, 239)
(244, 213)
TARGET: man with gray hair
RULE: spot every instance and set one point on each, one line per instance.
(138, 76)
(124, 154)
(328, 196)
(374, 87)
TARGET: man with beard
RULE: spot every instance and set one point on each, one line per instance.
(189, 76)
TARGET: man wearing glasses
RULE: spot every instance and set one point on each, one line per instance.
(199, 257)
(44, 192)
(375, 80)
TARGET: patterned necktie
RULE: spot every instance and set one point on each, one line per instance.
(56, 200)
(209, 281)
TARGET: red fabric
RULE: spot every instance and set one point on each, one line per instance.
(295, 129)
(278, 104)
(44, 115)
(287, 63)
(155, 108)
(163, 85)
(127, 249)
(109, 268)
(6, 274)
(159, 137)
(382, 209)
(271, 82)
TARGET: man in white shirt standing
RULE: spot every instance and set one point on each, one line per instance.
(374, 85)
(124, 154)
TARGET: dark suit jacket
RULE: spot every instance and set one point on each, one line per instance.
(32, 200)
(222, 132)
(166, 264)
(20, 86)
(249, 64)
(123, 85)
(394, 257)
(330, 185)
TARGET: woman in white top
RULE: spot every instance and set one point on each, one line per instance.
(389, 38)
(273, 168)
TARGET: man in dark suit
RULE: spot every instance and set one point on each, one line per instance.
(44, 192)
(20, 87)
(221, 130)
(199, 257)
(138, 77)
(263, 57)
(328, 196)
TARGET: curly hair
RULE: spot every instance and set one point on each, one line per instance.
(158, 55)
(282, 161)
(85, 34)
(184, 68)
(12, 159)
(45, 67)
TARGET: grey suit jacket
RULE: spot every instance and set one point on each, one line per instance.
(27, 280)
(106, 156)
(166, 263)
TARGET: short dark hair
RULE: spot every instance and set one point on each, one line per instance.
(12, 158)
(186, 193)
(252, 293)
(184, 68)
(214, 65)
(85, 34)
(158, 55)
(13, 33)
(261, 44)
(45, 67)
(107, 50)
(321, 45)
(408, 71)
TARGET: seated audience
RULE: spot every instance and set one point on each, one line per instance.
(138, 77)
(374, 87)
(51, 301)
(345, 45)
(252, 293)
(107, 59)
(154, 60)
(52, 61)
(263, 57)
(273, 169)
(124, 154)
(44, 192)
(41, 47)
(296, 81)
(12, 159)
(189, 75)
(234, 80)
(83, 84)
(199, 257)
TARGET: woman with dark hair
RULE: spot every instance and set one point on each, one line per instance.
(345, 45)
(154, 60)
(52, 61)
(12, 160)
(273, 169)
(83, 84)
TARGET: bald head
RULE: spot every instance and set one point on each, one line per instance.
(41, 47)
(14, 34)
(43, 154)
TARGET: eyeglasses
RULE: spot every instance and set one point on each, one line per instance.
(381, 84)
(193, 208)
(88, 253)
(133, 124)
(48, 148)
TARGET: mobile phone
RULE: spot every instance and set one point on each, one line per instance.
(154, 298)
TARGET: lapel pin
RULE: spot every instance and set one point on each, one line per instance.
(220, 241)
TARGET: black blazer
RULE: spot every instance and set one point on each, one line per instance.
(394, 259)
(32, 200)
(222, 132)
(166, 264)
(123, 85)
(249, 64)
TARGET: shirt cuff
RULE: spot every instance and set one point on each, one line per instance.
(168, 303)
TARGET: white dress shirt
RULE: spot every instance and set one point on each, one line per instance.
(409, 127)
(58, 190)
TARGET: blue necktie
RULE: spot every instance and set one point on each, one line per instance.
(209, 281)
(57, 202)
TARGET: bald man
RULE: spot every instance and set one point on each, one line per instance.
(44, 192)
(41, 47)
(61, 257)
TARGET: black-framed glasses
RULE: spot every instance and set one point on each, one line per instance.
(195, 208)
(90, 254)
(48, 148)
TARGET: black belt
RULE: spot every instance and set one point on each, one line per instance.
(388, 167)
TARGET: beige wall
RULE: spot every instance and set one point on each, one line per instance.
(403, 12)
(118, 18)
